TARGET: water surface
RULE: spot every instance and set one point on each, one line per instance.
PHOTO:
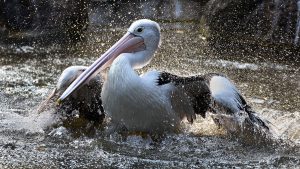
(29, 72)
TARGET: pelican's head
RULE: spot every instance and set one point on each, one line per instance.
(149, 31)
(68, 76)
(65, 79)
(140, 42)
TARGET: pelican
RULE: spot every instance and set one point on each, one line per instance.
(85, 100)
(157, 102)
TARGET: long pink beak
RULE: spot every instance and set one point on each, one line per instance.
(127, 44)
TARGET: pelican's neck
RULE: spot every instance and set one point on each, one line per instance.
(139, 59)
(121, 70)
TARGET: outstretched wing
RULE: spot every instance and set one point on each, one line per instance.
(228, 100)
(198, 94)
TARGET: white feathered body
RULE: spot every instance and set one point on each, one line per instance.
(137, 102)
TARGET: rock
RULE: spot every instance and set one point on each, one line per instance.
(122, 12)
(252, 24)
(43, 20)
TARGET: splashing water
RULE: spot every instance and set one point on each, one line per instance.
(298, 24)
(28, 140)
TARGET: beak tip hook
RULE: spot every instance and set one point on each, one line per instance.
(58, 102)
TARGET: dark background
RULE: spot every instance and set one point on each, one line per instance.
(231, 26)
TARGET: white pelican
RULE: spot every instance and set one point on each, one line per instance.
(156, 102)
(85, 100)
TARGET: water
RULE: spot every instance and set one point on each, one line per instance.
(29, 73)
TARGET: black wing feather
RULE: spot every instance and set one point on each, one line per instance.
(195, 87)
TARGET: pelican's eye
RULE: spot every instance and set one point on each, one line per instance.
(140, 29)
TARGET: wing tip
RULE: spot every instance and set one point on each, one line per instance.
(257, 120)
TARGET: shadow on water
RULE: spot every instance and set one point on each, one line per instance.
(28, 73)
